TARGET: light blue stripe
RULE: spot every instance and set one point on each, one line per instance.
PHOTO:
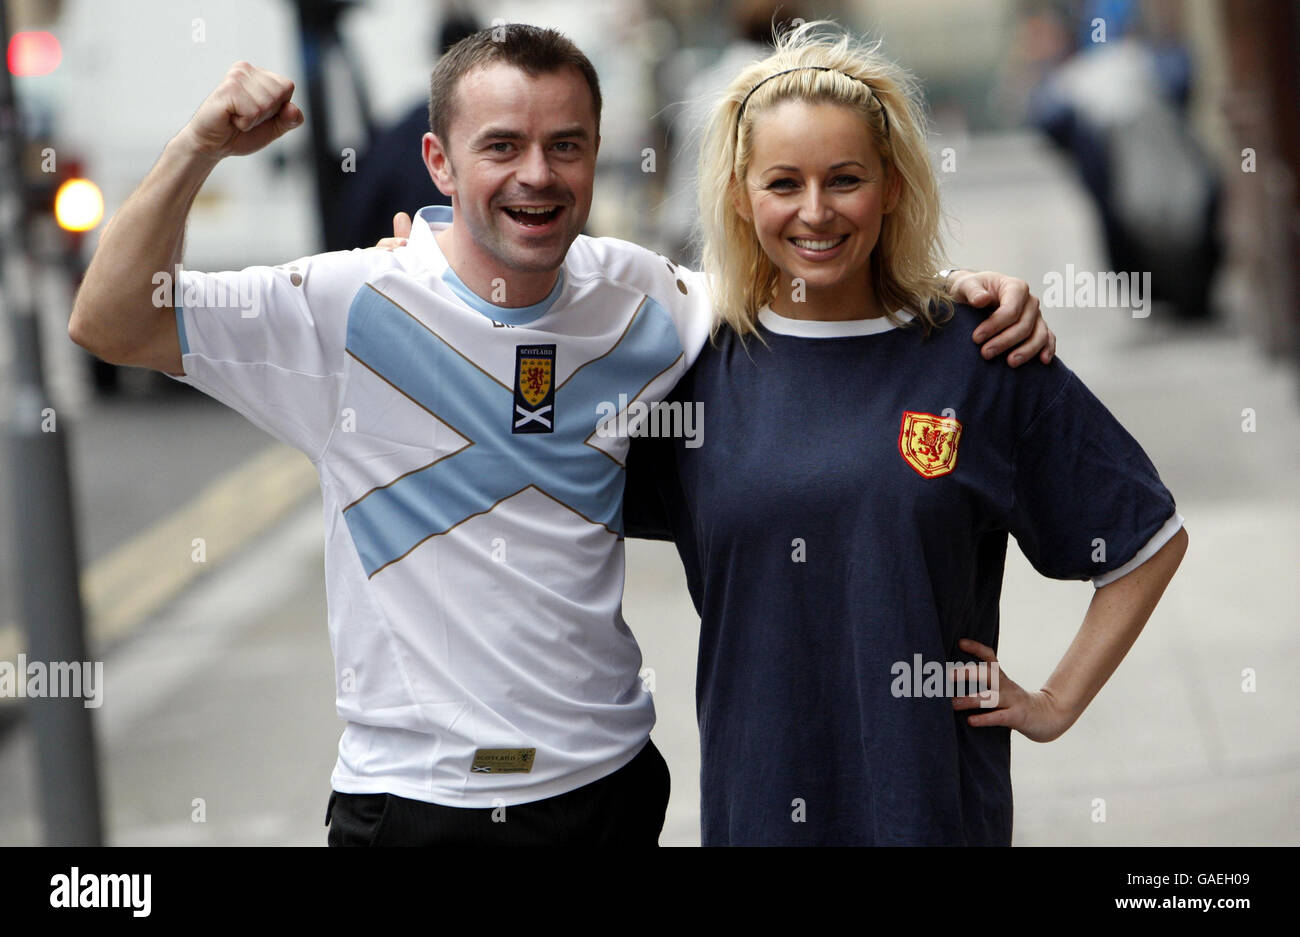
(650, 345)
(435, 214)
(390, 521)
(423, 366)
(180, 330)
(510, 315)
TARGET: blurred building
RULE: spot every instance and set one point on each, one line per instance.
(1260, 101)
(979, 59)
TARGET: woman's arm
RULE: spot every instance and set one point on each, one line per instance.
(1115, 618)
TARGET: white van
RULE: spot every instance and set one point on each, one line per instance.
(134, 72)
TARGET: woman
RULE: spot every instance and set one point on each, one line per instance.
(844, 526)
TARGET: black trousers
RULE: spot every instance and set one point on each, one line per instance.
(625, 808)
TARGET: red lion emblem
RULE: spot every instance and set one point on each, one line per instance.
(928, 443)
(535, 379)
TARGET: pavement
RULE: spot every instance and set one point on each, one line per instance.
(218, 725)
(1173, 750)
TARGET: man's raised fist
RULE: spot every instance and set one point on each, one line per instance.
(248, 110)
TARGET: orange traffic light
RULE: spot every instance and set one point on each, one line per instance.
(78, 205)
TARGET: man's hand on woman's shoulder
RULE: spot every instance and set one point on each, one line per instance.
(1016, 323)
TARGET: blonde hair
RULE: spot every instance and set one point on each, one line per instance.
(810, 65)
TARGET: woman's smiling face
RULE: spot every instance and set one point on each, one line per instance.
(816, 192)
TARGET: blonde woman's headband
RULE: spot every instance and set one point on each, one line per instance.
(817, 68)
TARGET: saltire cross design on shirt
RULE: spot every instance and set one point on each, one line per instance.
(391, 520)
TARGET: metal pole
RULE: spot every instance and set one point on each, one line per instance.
(320, 42)
(44, 533)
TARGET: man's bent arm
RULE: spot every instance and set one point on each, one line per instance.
(117, 315)
(123, 312)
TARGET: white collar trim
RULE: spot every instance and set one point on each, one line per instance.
(816, 328)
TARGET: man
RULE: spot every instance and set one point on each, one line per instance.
(449, 393)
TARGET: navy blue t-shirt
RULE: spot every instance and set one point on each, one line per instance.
(847, 510)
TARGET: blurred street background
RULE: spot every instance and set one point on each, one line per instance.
(1159, 137)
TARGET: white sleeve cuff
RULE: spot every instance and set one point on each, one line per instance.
(1158, 540)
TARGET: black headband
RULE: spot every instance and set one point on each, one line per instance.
(818, 68)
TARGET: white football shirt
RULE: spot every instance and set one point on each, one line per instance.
(473, 513)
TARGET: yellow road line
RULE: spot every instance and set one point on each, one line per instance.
(136, 579)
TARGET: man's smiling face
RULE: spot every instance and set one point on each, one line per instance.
(519, 166)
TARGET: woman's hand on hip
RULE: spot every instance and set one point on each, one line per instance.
(1003, 702)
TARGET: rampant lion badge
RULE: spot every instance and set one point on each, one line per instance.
(929, 443)
(534, 379)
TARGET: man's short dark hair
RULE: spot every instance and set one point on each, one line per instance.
(531, 49)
